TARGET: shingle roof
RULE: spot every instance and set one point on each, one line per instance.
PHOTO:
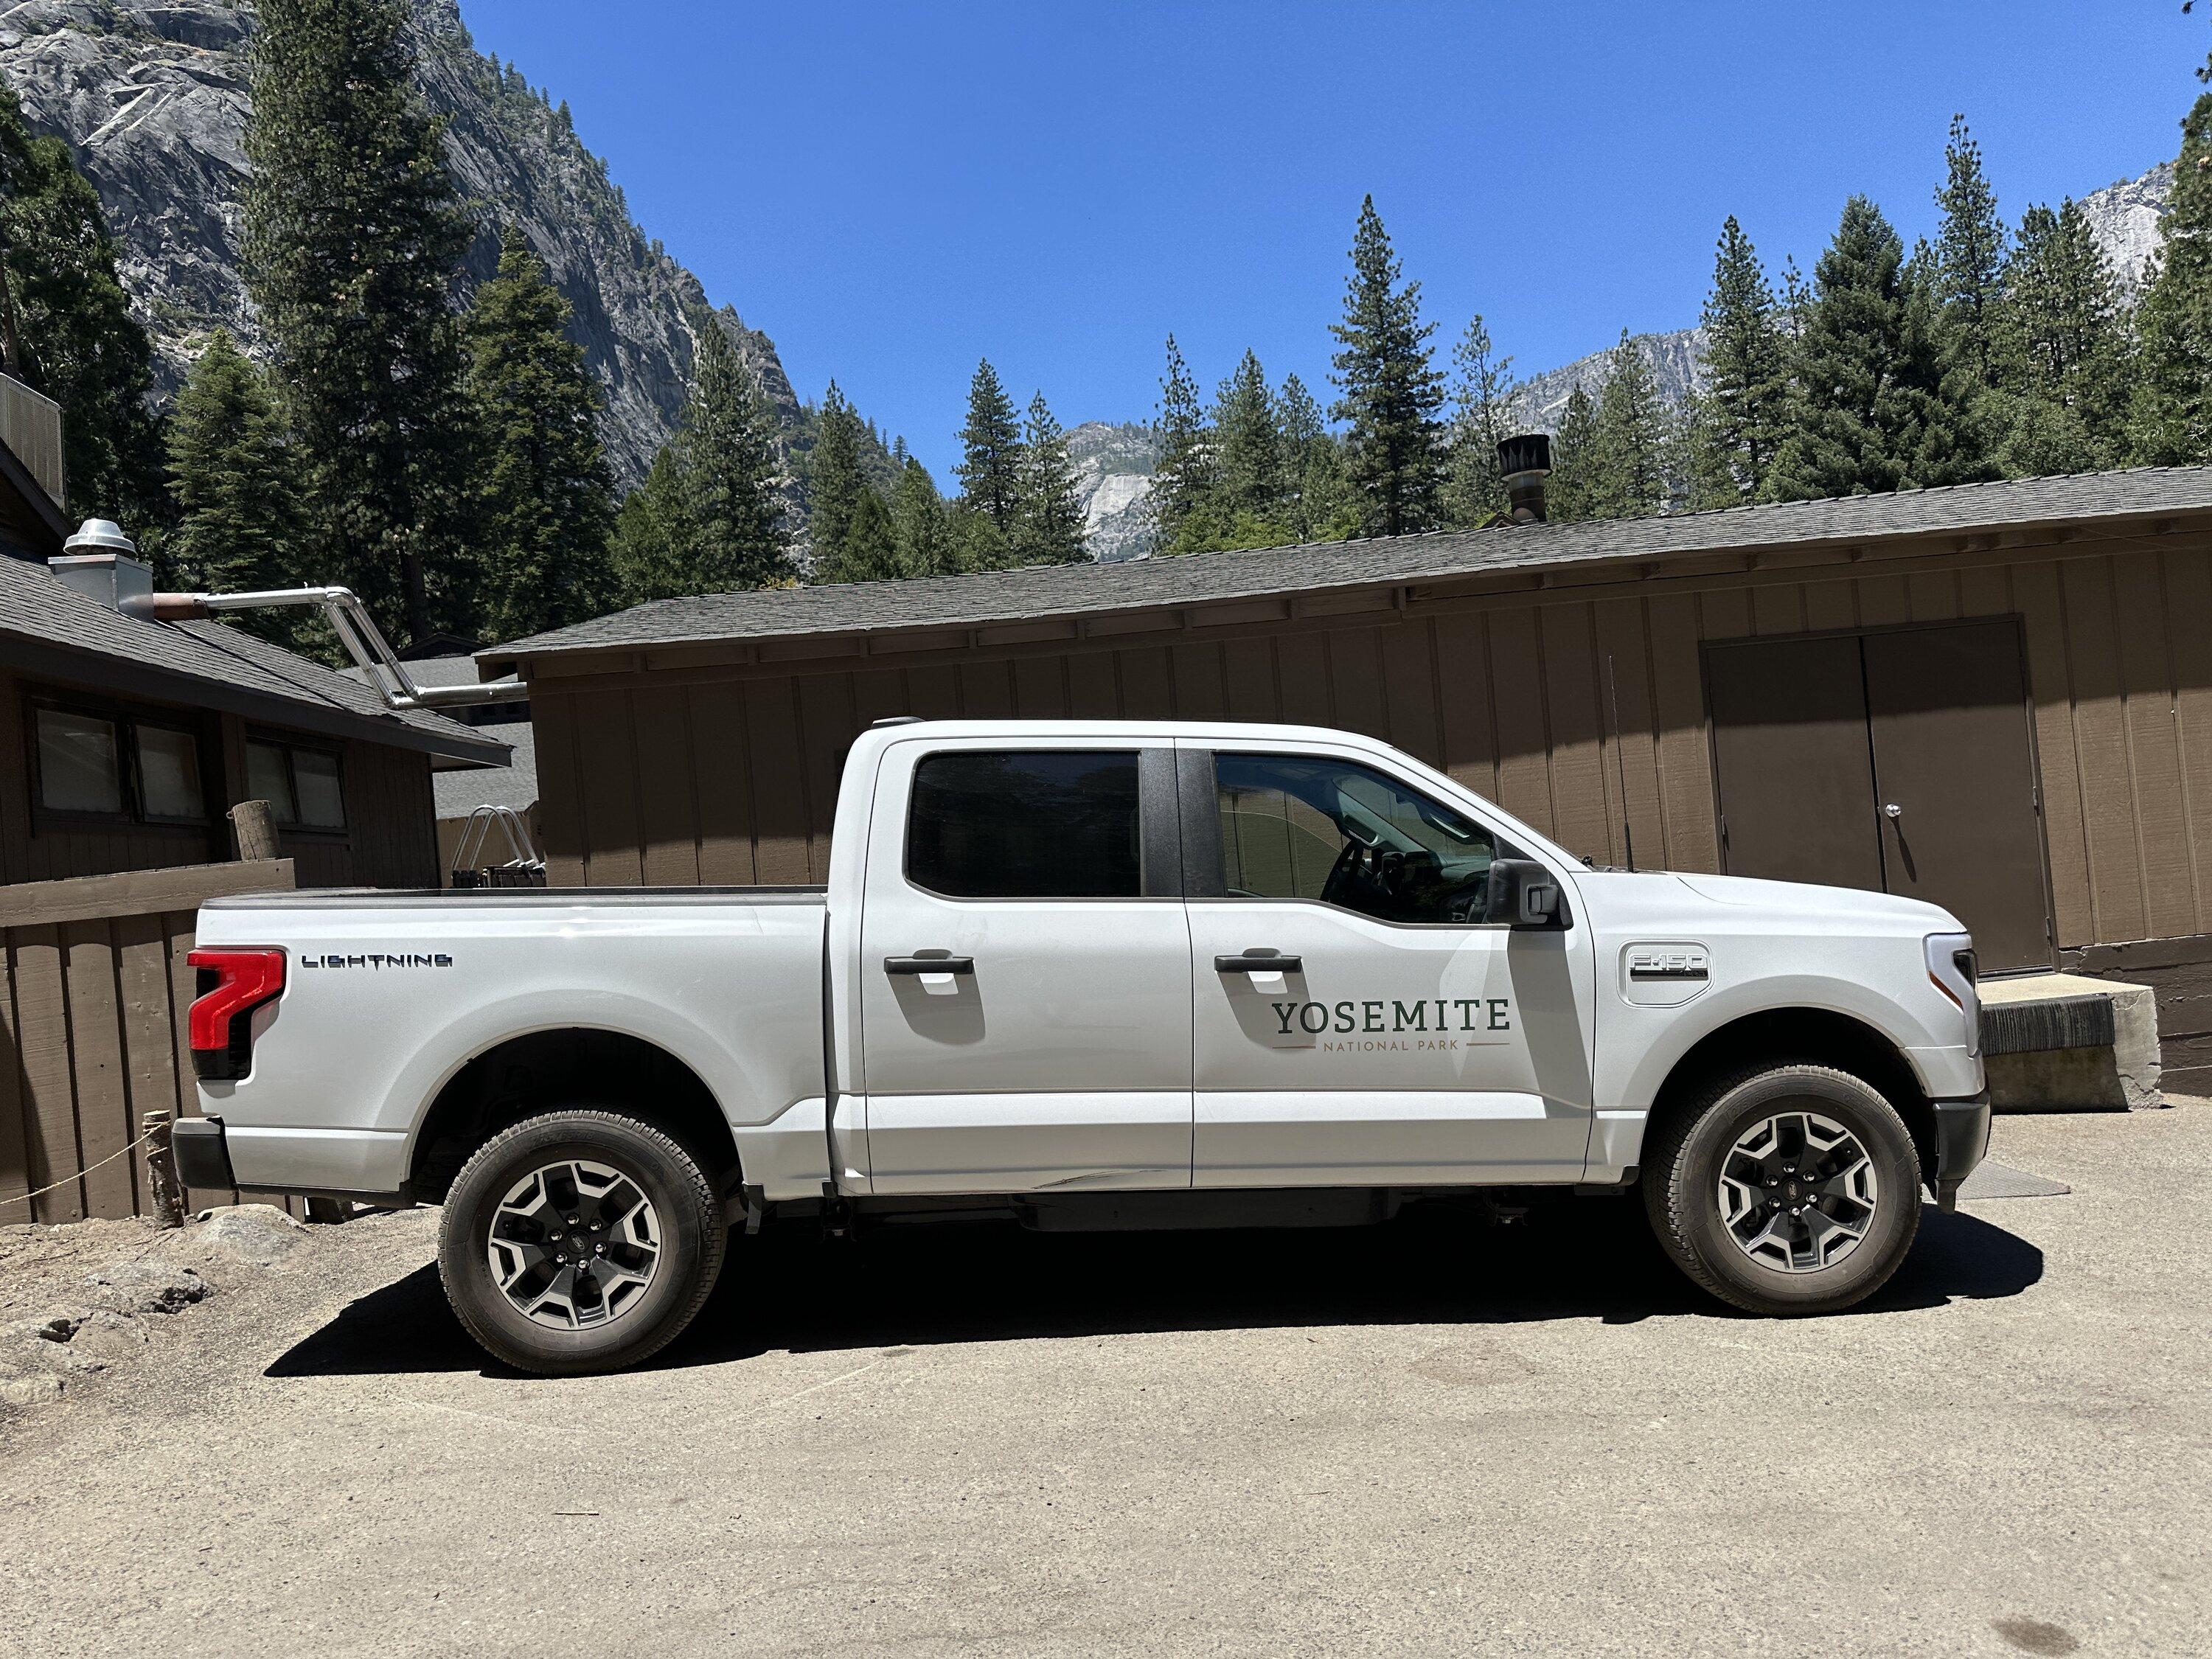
(54, 627)
(515, 784)
(428, 672)
(1063, 590)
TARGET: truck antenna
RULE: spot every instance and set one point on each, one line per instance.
(1620, 762)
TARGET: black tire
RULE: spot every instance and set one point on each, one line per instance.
(1682, 1176)
(692, 1236)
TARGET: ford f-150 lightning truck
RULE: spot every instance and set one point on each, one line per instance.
(1093, 974)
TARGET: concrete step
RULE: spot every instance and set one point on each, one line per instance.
(2061, 1042)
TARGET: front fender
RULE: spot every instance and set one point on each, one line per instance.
(1669, 1035)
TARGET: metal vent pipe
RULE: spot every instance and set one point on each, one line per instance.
(1526, 460)
(355, 629)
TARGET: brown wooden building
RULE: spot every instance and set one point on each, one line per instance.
(2022, 670)
(125, 742)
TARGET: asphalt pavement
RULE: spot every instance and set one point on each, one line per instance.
(1436, 1437)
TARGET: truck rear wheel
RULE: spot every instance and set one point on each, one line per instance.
(580, 1241)
(1794, 1189)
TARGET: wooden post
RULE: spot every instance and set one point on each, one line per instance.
(254, 827)
(166, 1190)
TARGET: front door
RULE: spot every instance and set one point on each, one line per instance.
(1052, 1047)
(1358, 1021)
(1897, 761)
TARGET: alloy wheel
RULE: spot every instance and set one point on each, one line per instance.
(574, 1244)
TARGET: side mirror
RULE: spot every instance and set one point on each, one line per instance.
(1523, 894)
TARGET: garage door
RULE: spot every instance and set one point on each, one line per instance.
(1897, 761)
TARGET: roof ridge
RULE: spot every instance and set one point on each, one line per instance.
(944, 601)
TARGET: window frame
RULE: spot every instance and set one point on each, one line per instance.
(126, 718)
(288, 746)
(1204, 860)
(1160, 844)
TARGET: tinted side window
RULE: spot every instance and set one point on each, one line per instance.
(1302, 827)
(1025, 825)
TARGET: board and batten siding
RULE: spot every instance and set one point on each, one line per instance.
(728, 774)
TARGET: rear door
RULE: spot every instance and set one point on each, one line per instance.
(1052, 1049)
(1405, 1039)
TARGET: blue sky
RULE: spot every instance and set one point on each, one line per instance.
(892, 190)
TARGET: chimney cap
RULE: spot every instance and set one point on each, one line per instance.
(99, 536)
(1525, 451)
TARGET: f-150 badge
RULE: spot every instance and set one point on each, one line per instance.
(1667, 962)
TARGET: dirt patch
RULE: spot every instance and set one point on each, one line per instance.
(80, 1299)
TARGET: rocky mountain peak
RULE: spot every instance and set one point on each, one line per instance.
(152, 96)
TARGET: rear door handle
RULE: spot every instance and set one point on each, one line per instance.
(1259, 962)
(929, 964)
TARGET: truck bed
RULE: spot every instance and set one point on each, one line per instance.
(388, 995)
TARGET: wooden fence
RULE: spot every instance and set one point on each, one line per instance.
(92, 1030)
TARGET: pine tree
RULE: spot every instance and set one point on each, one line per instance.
(2170, 421)
(1320, 507)
(66, 328)
(1970, 258)
(1736, 425)
(727, 458)
(919, 539)
(1572, 490)
(868, 551)
(834, 486)
(1251, 486)
(1050, 526)
(991, 446)
(1183, 476)
(655, 537)
(1391, 391)
(2064, 350)
(353, 237)
(1871, 406)
(545, 505)
(1482, 398)
(232, 473)
(1629, 453)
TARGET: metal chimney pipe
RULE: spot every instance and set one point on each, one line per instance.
(1526, 460)
(355, 629)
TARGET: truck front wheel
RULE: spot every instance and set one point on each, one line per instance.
(580, 1241)
(1794, 1189)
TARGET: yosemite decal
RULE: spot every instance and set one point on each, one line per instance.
(1440, 1023)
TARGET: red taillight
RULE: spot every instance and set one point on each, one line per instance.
(232, 983)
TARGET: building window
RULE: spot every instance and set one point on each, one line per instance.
(80, 762)
(169, 776)
(303, 786)
(118, 766)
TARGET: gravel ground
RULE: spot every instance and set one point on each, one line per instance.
(1432, 1436)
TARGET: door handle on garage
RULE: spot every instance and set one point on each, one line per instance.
(1259, 962)
(929, 964)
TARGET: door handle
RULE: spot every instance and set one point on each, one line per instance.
(1894, 810)
(929, 964)
(1259, 962)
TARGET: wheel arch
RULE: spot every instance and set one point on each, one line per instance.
(605, 1067)
(1819, 1037)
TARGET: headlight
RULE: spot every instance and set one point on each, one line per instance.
(1952, 968)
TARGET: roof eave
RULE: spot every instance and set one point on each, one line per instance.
(45, 658)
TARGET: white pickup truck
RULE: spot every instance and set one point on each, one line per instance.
(1093, 974)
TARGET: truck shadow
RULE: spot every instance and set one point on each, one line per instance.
(921, 1286)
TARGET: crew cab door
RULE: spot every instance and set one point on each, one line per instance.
(1404, 1039)
(1051, 1049)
